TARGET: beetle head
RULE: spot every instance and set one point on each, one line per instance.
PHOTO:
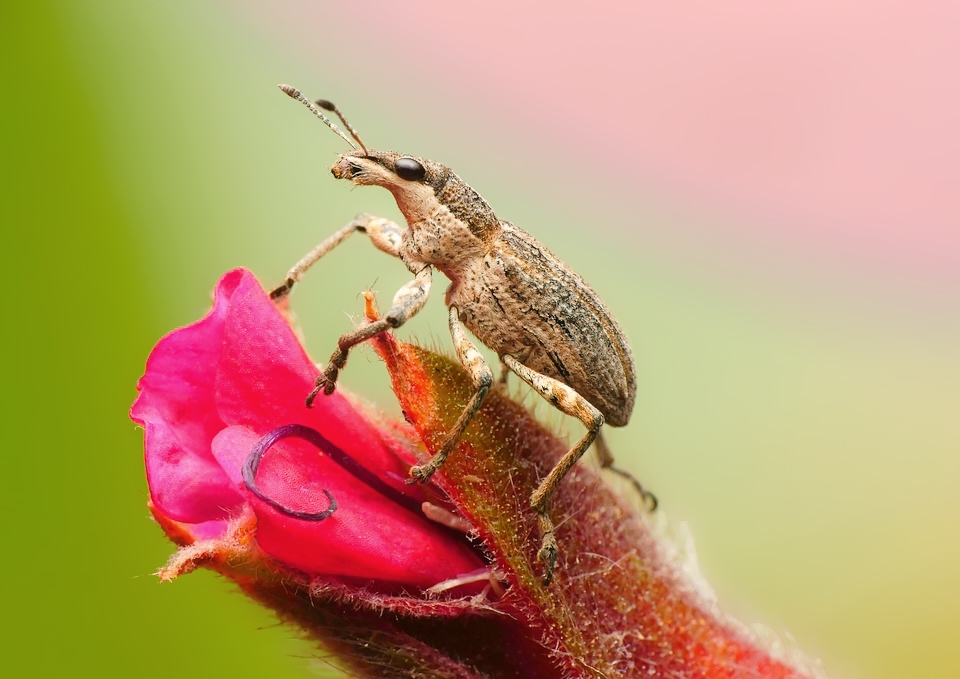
(414, 182)
(421, 187)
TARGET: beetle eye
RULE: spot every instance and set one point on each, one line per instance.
(409, 169)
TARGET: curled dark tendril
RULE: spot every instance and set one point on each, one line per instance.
(252, 463)
(335, 454)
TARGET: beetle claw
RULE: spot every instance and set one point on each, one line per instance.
(421, 473)
(548, 555)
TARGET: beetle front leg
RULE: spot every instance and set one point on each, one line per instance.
(570, 402)
(406, 303)
(482, 378)
(384, 234)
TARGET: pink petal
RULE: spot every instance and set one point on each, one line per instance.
(368, 537)
(264, 375)
(230, 447)
(176, 408)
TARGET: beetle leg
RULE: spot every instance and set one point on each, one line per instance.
(406, 303)
(386, 236)
(606, 462)
(482, 378)
(564, 398)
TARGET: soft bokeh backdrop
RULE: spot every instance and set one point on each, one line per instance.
(764, 194)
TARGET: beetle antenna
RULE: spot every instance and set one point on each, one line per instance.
(330, 106)
(293, 92)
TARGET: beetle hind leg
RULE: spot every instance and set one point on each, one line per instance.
(606, 462)
(565, 399)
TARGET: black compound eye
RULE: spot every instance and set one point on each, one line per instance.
(409, 169)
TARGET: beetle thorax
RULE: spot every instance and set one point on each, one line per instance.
(449, 224)
(442, 239)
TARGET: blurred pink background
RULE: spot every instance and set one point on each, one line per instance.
(828, 126)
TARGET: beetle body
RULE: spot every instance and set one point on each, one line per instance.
(544, 322)
(512, 293)
(523, 301)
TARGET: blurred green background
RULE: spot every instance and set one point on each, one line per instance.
(146, 151)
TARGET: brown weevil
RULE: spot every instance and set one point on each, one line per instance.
(543, 321)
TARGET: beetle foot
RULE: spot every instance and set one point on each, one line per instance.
(421, 473)
(549, 550)
(326, 382)
(327, 379)
(281, 291)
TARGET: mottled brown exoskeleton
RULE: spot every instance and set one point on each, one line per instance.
(543, 321)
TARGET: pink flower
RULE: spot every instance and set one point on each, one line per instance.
(214, 388)
(308, 512)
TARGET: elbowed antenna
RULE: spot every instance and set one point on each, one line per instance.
(330, 106)
(293, 92)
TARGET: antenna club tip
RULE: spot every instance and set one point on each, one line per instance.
(325, 105)
(290, 91)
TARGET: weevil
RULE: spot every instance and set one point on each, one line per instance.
(543, 321)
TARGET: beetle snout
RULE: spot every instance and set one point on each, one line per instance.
(347, 168)
(344, 169)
